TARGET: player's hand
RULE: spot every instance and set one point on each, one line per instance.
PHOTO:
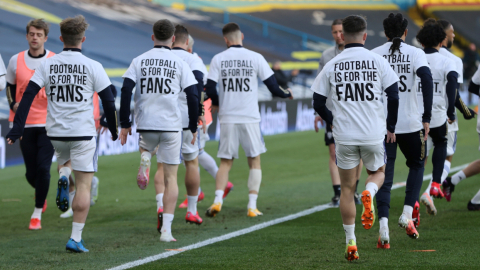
(291, 94)
(426, 126)
(315, 122)
(124, 134)
(391, 137)
(10, 141)
(214, 109)
(472, 114)
(15, 107)
(450, 121)
(201, 119)
(194, 138)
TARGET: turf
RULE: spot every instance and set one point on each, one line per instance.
(121, 227)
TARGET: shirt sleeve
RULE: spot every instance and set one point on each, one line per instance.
(264, 70)
(321, 85)
(388, 75)
(476, 77)
(459, 69)
(39, 77)
(131, 72)
(214, 72)
(420, 60)
(101, 80)
(188, 78)
(3, 70)
(449, 67)
(12, 70)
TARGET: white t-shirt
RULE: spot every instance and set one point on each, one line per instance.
(356, 80)
(440, 66)
(160, 77)
(405, 63)
(236, 70)
(32, 63)
(195, 63)
(459, 69)
(70, 79)
(476, 80)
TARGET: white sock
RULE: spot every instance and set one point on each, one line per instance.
(167, 223)
(252, 201)
(218, 196)
(383, 222)
(71, 195)
(373, 188)
(459, 176)
(476, 198)
(65, 171)
(192, 204)
(147, 155)
(446, 169)
(349, 232)
(159, 198)
(208, 163)
(199, 190)
(407, 211)
(428, 187)
(77, 229)
(37, 213)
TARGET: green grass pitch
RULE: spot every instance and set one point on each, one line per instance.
(121, 227)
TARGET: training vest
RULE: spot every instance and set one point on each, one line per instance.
(38, 111)
(208, 114)
(96, 110)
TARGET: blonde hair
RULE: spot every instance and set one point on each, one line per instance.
(73, 30)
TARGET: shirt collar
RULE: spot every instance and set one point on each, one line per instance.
(351, 45)
(162, 47)
(236, 46)
(72, 49)
(430, 50)
(178, 48)
(39, 56)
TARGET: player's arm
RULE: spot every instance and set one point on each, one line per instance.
(275, 89)
(320, 106)
(463, 108)
(451, 90)
(108, 103)
(392, 106)
(103, 118)
(22, 112)
(125, 99)
(199, 77)
(11, 96)
(426, 79)
(211, 90)
(192, 102)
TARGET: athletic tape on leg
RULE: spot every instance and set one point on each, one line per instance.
(254, 180)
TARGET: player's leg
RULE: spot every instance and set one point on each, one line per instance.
(471, 170)
(412, 146)
(62, 152)
(474, 203)
(451, 147)
(159, 191)
(95, 180)
(147, 144)
(334, 175)
(28, 146)
(439, 138)
(358, 175)
(254, 181)
(192, 176)
(348, 158)
(383, 195)
(71, 192)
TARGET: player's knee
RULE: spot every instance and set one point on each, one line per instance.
(31, 175)
(43, 173)
(254, 180)
(189, 157)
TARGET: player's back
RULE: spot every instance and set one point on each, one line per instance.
(236, 70)
(70, 80)
(405, 62)
(357, 77)
(459, 69)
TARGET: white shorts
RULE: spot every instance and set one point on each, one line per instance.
(169, 145)
(233, 135)
(189, 150)
(203, 136)
(451, 143)
(83, 154)
(373, 156)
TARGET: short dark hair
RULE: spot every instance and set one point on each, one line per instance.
(444, 23)
(336, 22)
(431, 34)
(39, 24)
(354, 24)
(230, 28)
(73, 30)
(181, 34)
(163, 30)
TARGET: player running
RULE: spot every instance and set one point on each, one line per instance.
(204, 158)
(355, 81)
(474, 167)
(161, 77)
(37, 150)
(445, 80)
(236, 70)
(70, 79)
(412, 128)
(327, 55)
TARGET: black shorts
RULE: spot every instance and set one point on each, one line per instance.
(328, 135)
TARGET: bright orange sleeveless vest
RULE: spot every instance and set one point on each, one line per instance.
(208, 114)
(96, 109)
(38, 110)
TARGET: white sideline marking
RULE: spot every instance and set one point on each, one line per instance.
(257, 227)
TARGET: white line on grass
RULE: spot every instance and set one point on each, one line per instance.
(257, 227)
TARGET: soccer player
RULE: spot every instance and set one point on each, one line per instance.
(236, 70)
(445, 80)
(37, 150)
(408, 62)
(327, 55)
(356, 80)
(474, 167)
(70, 79)
(204, 158)
(161, 77)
